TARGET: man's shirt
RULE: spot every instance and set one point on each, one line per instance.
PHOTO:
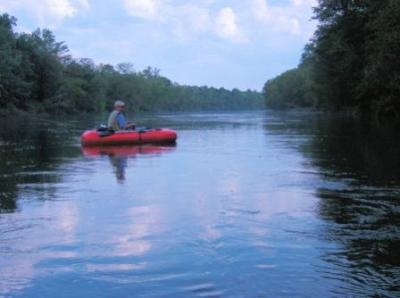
(116, 121)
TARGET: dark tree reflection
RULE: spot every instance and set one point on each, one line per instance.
(30, 151)
(359, 164)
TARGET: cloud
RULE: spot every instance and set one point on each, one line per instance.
(185, 21)
(198, 18)
(261, 10)
(237, 22)
(292, 18)
(49, 13)
(226, 25)
(84, 4)
(60, 8)
(146, 9)
(311, 3)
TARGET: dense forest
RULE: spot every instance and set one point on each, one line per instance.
(37, 74)
(352, 62)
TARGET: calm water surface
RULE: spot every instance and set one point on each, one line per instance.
(256, 204)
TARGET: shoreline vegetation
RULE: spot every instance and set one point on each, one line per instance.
(37, 75)
(352, 62)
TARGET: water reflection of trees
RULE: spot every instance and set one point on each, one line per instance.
(29, 152)
(360, 199)
(365, 210)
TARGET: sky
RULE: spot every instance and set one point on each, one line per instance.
(221, 43)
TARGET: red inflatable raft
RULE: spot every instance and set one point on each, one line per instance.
(129, 137)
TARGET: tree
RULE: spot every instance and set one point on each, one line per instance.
(381, 75)
(14, 88)
(352, 60)
(291, 89)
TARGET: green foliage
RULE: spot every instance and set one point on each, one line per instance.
(14, 86)
(339, 51)
(352, 60)
(37, 74)
(291, 89)
(381, 76)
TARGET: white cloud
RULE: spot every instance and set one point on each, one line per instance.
(49, 13)
(198, 18)
(298, 3)
(84, 4)
(60, 8)
(186, 21)
(292, 18)
(295, 27)
(183, 21)
(146, 9)
(260, 10)
(226, 25)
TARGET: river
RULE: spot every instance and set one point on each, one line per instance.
(250, 204)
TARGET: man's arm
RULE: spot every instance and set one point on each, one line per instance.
(112, 121)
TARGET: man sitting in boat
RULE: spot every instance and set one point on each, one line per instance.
(117, 120)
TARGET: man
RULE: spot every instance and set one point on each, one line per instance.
(117, 120)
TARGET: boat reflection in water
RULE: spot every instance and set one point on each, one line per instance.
(119, 155)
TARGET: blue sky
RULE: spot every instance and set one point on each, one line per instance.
(221, 43)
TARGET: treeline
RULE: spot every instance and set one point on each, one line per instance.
(37, 74)
(352, 61)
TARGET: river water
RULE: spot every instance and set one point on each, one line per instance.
(252, 204)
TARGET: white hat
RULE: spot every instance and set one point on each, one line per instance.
(119, 103)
